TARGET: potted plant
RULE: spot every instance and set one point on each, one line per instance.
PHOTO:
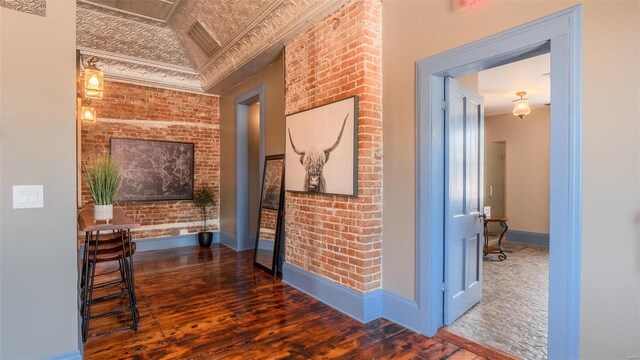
(203, 199)
(103, 178)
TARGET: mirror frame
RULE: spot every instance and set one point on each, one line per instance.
(278, 234)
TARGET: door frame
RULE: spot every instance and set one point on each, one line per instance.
(561, 35)
(244, 235)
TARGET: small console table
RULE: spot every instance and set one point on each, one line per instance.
(495, 249)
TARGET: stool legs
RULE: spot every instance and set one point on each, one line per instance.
(128, 270)
(88, 284)
(133, 284)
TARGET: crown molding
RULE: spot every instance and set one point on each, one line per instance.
(121, 69)
(136, 60)
(122, 35)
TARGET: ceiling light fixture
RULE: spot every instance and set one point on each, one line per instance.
(521, 106)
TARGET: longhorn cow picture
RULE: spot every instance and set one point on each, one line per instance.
(321, 149)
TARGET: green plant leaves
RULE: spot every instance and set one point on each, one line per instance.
(103, 178)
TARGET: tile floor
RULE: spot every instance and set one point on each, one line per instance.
(512, 315)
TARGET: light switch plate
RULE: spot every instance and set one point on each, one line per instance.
(28, 196)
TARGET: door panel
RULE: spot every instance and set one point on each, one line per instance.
(459, 285)
(463, 199)
(473, 261)
(456, 154)
(473, 156)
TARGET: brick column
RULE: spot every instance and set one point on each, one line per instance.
(340, 238)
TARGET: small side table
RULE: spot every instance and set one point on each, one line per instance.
(493, 249)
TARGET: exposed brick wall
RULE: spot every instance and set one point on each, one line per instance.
(340, 238)
(268, 223)
(140, 112)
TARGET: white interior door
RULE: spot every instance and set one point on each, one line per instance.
(464, 124)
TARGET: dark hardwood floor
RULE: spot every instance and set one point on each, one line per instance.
(213, 304)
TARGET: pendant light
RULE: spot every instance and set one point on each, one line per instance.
(521, 106)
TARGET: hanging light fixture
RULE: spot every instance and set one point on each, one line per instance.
(93, 89)
(88, 114)
(521, 106)
(93, 80)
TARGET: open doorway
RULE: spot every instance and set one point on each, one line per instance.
(559, 35)
(512, 312)
(250, 145)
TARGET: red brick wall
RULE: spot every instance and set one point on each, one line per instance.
(340, 238)
(268, 223)
(141, 112)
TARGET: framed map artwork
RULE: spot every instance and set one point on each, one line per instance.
(154, 170)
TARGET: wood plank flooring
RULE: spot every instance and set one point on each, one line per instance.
(213, 304)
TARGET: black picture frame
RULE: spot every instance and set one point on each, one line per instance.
(280, 218)
(292, 161)
(141, 159)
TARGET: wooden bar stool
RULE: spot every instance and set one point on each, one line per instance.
(110, 248)
(107, 242)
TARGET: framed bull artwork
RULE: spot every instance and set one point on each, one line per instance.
(322, 149)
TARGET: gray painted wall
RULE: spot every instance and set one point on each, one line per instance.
(273, 78)
(38, 275)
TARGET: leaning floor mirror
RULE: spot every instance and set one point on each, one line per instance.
(269, 234)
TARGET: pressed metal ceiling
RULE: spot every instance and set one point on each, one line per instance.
(160, 10)
(196, 45)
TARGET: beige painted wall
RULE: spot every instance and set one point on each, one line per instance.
(38, 260)
(495, 176)
(412, 30)
(527, 193)
(469, 80)
(273, 78)
(254, 168)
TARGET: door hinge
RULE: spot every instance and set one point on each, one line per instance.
(443, 286)
(444, 105)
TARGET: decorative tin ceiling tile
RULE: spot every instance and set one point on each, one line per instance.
(34, 7)
(203, 38)
(222, 18)
(277, 26)
(97, 30)
(87, 5)
(232, 34)
(157, 10)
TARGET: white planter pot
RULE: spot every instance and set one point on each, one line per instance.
(103, 212)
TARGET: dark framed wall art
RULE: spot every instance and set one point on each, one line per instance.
(322, 149)
(154, 170)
